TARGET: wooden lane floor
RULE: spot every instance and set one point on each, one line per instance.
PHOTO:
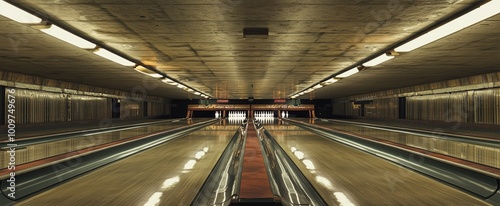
(344, 176)
(170, 174)
(49, 149)
(485, 155)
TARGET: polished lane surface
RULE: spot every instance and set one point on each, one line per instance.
(48, 149)
(346, 176)
(170, 174)
(486, 155)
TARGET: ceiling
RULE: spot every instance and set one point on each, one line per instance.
(200, 43)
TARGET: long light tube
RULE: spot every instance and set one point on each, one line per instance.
(317, 86)
(113, 57)
(481, 13)
(146, 71)
(378, 60)
(309, 90)
(348, 73)
(169, 81)
(330, 81)
(68, 37)
(12, 12)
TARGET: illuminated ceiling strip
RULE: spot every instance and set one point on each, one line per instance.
(12, 12)
(68, 37)
(378, 60)
(317, 86)
(330, 81)
(146, 71)
(481, 13)
(113, 57)
(348, 73)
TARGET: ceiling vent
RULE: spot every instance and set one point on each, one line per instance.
(255, 33)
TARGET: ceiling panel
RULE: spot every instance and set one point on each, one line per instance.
(200, 43)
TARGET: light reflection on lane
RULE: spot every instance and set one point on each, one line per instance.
(325, 182)
(155, 199)
(344, 175)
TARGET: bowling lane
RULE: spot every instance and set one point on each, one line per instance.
(51, 148)
(345, 176)
(486, 154)
(170, 174)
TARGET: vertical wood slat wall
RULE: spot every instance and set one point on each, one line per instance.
(130, 108)
(156, 109)
(476, 106)
(345, 108)
(34, 106)
(383, 108)
(39, 107)
(438, 107)
(89, 108)
(484, 107)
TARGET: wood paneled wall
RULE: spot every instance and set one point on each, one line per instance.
(35, 106)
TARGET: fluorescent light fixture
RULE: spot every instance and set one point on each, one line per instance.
(113, 57)
(190, 90)
(146, 71)
(317, 86)
(301, 93)
(169, 81)
(180, 86)
(330, 81)
(309, 90)
(68, 37)
(205, 149)
(197, 93)
(12, 12)
(481, 13)
(378, 60)
(348, 73)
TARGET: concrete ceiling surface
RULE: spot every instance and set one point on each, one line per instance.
(200, 43)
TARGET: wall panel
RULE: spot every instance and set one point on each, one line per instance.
(346, 108)
(449, 107)
(156, 109)
(131, 108)
(383, 108)
(484, 106)
(89, 108)
(39, 106)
